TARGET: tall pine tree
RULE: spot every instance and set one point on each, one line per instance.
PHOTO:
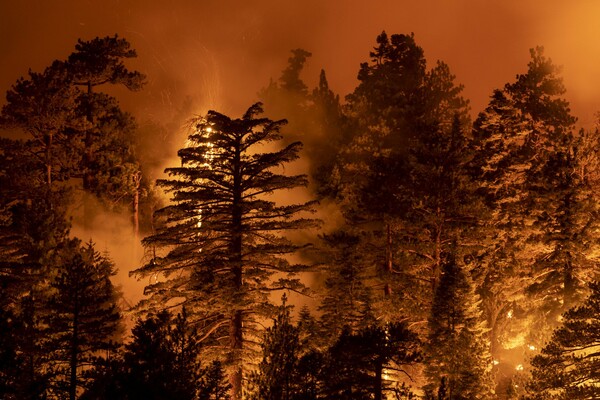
(527, 168)
(220, 246)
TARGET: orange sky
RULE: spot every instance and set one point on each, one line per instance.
(217, 54)
(221, 52)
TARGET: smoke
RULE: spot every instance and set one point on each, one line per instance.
(217, 54)
(112, 233)
(220, 53)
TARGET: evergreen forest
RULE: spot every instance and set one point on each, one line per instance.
(390, 243)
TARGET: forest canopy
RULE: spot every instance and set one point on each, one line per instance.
(381, 245)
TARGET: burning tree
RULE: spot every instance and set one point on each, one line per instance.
(538, 179)
(221, 248)
(568, 367)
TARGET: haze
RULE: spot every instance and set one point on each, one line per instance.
(220, 53)
(210, 54)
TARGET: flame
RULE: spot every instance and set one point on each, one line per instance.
(204, 130)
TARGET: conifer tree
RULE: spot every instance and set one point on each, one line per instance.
(11, 362)
(457, 354)
(568, 224)
(214, 384)
(81, 133)
(327, 134)
(441, 210)
(276, 376)
(382, 121)
(95, 63)
(527, 168)
(289, 96)
(220, 246)
(32, 226)
(357, 365)
(45, 107)
(83, 318)
(162, 362)
(347, 298)
(34, 378)
(403, 178)
(315, 118)
(568, 367)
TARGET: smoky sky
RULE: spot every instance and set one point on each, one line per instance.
(218, 54)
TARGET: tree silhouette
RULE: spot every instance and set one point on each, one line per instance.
(221, 238)
(83, 319)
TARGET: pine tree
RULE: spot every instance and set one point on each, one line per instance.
(362, 365)
(567, 225)
(11, 362)
(382, 119)
(327, 135)
(457, 354)
(404, 183)
(347, 275)
(522, 145)
(441, 210)
(95, 63)
(80, 133)
(221, 237)
(45, 106)
(276, 376)
(315, 118)
(568, 366)
(162, 360)
(32, 226)
(370, 168)
(34, 378)
(83, 318)
(214, 385)
(289, 95)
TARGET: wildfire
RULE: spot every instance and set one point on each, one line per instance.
(209, 156)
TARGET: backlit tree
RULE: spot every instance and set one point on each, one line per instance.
(527, 159)
(569, 365)
(220, 245)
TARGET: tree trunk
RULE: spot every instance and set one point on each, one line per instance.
(48, 160)
(378, 388)
(136, 205)
(73, 361)
(389, 262)
(437, 266)
(236, 338)
(88, 177)
(236, 345)
(568, 285)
